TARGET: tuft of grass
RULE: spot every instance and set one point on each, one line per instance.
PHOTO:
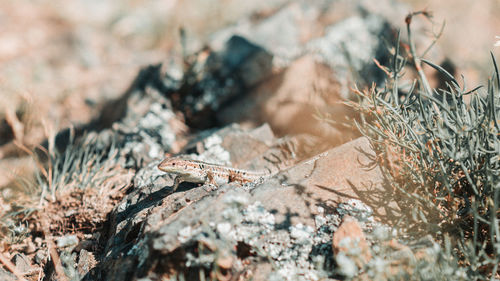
(85, 163)
(440, 148)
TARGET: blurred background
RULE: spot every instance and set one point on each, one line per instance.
(61, 60)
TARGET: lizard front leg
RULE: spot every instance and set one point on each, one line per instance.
(178, 179)
(211, 180)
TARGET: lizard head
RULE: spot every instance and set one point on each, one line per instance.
(175, 165)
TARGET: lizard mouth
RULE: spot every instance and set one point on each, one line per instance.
(163, 166)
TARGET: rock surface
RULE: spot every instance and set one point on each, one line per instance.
(273, 222)
(349, 242)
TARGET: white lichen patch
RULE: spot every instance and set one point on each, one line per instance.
(346, 266)
(301, 233)
(156, 120)
(236, 199)
(257, 214)
(213, 151)
(356, 209)
(187, 233)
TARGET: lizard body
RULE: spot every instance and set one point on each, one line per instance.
(201, 172)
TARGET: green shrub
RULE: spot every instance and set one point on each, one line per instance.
(440, 148)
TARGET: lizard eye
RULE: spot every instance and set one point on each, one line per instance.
(173, 164)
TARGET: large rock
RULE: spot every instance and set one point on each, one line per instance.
(156, 234)
(218, 77)
(293, 101)
(350, 246)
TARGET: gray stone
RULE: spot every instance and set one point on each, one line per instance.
(86, 261)
(159, 231)
(22, 263)
(282, 33)
(7, 276)
(223, 76)
(352, 44)
(67, 241)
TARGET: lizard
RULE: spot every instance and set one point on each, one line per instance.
(187, 170)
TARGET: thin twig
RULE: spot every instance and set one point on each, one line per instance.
(416, 60)
(436, 38)
(52, 250)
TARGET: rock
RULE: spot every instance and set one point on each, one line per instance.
(30, 247)
(421, 258)
(148, 129)
(40, 257)
(231, 145)
(347, 267)
(350, 240)
(152, 187)
(356, 209)
(344, 35)
(67, 241)
(283, 33)
(158, 232)
(263, 271)
(343, 173)
(7, 276)
(22, 263)
(225, 262)
(290, 103)
(86, 261)
(352, 44)
(250, 62)
(217, 78)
